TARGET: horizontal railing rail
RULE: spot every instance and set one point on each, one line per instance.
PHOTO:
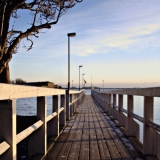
(51, 116)
(127, 118)
(63, 106)
(4, 146)
(25, 133)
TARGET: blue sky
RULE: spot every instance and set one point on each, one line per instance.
(117, 41)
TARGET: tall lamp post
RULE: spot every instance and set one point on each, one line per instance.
(69, 35)
(79, 76)
(82, 80)
(67, 91)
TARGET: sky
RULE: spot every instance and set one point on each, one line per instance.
(117, 42)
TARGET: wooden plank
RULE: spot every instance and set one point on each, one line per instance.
(84, 151)
(94, 151)
(9, 91)
(103, 150)
(63, 154)
(75, 148)
(3, 147)
(153, 92)
(84, 148)
(122, 150)
(104, 153)
(58, 145)
(113, 150)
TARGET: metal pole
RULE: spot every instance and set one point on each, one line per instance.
(68, 63)
(79, 78)
(67, 91)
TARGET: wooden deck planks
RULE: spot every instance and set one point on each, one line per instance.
(90, 135)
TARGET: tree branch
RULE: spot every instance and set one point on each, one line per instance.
(30, 47)
(45, 14)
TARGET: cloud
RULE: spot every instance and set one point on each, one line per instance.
(129, 25)
(102, 27)
(134, 36)
(143, 36)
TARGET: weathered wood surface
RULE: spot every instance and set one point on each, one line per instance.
(152, 91)
(10, 91)
(90, 134)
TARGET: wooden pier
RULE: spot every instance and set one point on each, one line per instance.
(88, 131)
(91, 134)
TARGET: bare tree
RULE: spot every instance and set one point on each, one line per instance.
(43, 13)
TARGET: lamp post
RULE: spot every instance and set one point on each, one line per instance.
(82, 80)
(79, 76)
(67, 91)
(69, 35)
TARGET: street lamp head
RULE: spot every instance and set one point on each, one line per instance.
(80, 66)
(71, 34)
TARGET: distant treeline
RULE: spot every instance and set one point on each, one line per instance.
(18, 81)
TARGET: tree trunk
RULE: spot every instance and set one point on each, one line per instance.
(5, 75)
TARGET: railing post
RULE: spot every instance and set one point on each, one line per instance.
(67, 106)
(77, 100)
(38, 141)
(130, 121)
(63, 113)
(108, 105)
(71, 106)
(148, 132)
(114, 108)
(105, 103)
(111, 105)
(102, 100)
(56, 106)
(53, 125)
(100, 97)
(107, 109)
(74, 105)
(8, 128)
(120, 105)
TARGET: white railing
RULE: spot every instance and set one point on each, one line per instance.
(44, 128)
(125, 118)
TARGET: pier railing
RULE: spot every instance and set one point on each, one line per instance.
(125, 118)
(44, 128)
